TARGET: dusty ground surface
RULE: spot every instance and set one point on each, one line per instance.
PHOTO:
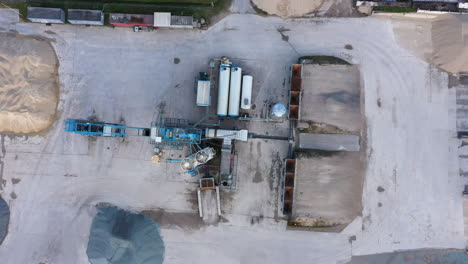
(28, 83)
(328, 189)
(288, 8)
(300, 8)
(411, 150)
(414, 256)
(331, 95)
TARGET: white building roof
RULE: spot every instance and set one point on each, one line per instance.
(227, 135)
(162, 19)
(203, 93)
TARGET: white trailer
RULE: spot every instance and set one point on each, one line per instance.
(246, 99)
(223, 89)
(235, 91)
(203, 93)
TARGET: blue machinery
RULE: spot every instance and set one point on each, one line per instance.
(90, 128)
(167, 133)
(172, 133)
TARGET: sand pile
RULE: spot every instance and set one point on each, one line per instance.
(288, 8)
(450, 43)
(440, 40)
(121, 237)
(28, 84)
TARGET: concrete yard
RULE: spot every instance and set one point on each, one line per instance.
(328, 190)
(52, 181)
(331, 95)
(329, 182)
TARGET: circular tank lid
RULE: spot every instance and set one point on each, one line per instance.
(187, 164)
(201, 157)
(278, 111)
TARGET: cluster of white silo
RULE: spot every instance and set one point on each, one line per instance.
(231, 83)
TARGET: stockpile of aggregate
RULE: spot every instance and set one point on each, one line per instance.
(28, 83)
(121, 237)
(4, 219)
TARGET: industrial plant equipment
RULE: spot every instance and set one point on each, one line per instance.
(235, 91)
(246, 99)
(223, 89)
(203, 90)
(193, 161)
(278, 111)
(175, 133)
(241, 135)
(94, 128)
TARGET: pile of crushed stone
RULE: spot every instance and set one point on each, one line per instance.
(121, 237)
(4, 219)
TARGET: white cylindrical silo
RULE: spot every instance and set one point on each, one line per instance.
(223, 89)
(235, 91)
(246, 98)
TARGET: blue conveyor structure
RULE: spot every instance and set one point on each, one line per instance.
(170, 134)
(91, 128)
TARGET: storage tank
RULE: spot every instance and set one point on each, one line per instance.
(246, 99)
(223, 89)
(235, 91)
(278, 111)
(188, 164)
(205, 155)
